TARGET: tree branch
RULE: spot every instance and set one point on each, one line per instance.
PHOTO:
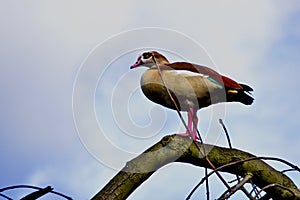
(181, 149)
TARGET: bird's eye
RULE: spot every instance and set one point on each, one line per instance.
(147, 55)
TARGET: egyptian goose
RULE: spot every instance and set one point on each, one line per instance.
(190, 87)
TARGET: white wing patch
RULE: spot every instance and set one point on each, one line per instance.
(189, 73)
(186, 73)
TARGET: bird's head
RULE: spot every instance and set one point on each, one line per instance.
(150, 59)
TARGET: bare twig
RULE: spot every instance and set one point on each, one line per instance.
(288, 170)
(184, 123)
(239, 162)
(211, 165)
(255, 190)
(247, 193)
(294, 167)
(38, 194)
(6, 197)
(171, 97)
(207, 184)
(34, 187)
(230, 146)
(180, 149)
(226, 133)
(237, 187)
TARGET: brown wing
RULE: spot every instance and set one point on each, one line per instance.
(222, 80)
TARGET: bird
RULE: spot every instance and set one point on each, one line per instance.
(187, 87)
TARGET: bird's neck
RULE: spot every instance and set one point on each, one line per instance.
(160, 64)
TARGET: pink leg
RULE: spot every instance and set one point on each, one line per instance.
(192, 125)
(195, 123)
(190, 120)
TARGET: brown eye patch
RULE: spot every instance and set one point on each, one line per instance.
(147, 55)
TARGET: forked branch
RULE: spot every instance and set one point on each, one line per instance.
(181, 149)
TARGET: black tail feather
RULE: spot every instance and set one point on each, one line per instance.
(242, 95)
(246, 88)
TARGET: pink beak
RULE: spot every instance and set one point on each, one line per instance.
(139, 62)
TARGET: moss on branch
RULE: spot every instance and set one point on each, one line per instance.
(181, 149)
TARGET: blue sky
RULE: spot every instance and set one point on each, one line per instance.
(45, 45)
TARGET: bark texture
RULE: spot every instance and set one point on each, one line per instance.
(181, 149)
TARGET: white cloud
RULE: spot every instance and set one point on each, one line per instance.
(43, 43)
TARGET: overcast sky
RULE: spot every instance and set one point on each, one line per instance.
(72, 112)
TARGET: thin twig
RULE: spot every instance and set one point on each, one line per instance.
(236, 187)
(255, 190)
(207, 184)
(206, 176)
(170, 95)
(33, 187)
(288, 170)
(226, 133)
(239, 162)
(38, 194)
(230, 146)
(183, 121)
(6, 197)
(247, 193)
